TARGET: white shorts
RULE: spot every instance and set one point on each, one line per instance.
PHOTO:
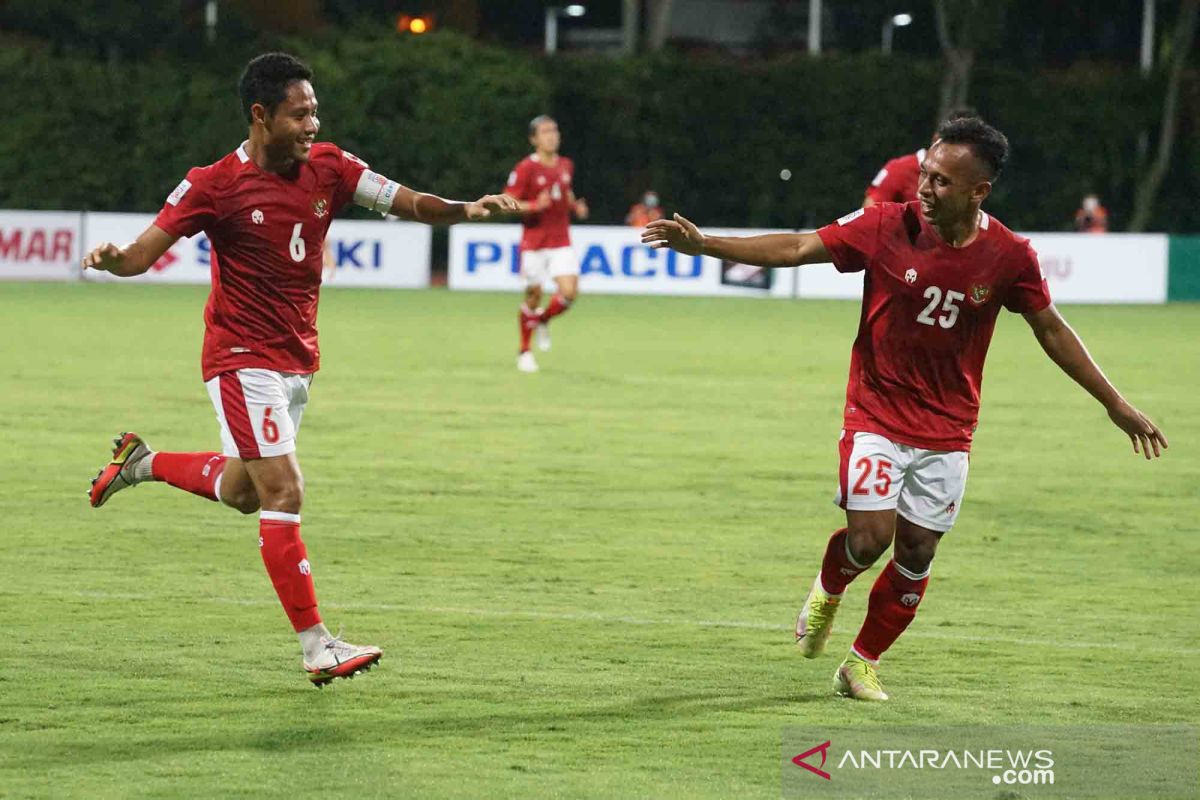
(924, 486)
(259, 411)
(539, 266)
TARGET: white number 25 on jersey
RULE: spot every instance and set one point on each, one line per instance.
(949, 309)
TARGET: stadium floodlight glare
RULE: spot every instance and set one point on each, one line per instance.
(889, 26)
(552, 15)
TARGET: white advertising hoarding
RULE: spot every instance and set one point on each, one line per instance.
(383, 254)
(612, 260)
(1079, 268)
(39, 245)
(1104, 268)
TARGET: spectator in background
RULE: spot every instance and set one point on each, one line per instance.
(642, 214)
(1091, 216)
(896, 182)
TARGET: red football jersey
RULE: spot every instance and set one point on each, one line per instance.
(268, 238)
(528, 179)
(897, 181)
(928, 313)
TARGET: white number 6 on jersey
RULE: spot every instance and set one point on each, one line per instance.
(296, 245)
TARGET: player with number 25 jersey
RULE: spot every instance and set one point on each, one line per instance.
(937, 271)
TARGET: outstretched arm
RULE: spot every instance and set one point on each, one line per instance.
(768, 250)
(1066, 349)
(135, 257)
(433, 210)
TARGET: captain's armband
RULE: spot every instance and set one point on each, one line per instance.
(375, 192)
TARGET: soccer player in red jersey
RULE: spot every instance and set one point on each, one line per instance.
(896, 181)
(542, 185)
(938, 270)
(266, 208)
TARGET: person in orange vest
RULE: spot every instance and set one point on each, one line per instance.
(1091, 216)
(642, 214)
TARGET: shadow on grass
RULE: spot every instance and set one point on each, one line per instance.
(321, 729)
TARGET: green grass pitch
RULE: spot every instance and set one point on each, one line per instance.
(584, 580)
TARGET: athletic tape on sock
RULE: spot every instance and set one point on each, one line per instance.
(279, 516)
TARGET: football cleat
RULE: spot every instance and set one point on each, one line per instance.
(542, 332)
(858, 679)
(526, 362)
(815, 622)
(128, 452)
(339, 659)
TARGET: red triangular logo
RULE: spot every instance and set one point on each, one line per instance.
(824, 750)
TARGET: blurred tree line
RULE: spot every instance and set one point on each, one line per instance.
(90, 127)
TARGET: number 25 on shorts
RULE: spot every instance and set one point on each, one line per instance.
(883, 479)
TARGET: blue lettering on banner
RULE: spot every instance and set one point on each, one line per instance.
(475, 258)
(627, 254)
(675, 270)
(346, 254)
(203, 252)
(594, 260)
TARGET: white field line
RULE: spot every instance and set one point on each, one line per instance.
(615, 619)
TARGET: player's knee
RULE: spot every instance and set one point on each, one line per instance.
(569, 294)
(915, 552)
(287, 497)
(868, 542)
(245, 501)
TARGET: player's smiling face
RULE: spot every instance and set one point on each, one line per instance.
(293, 127)
(953, 183)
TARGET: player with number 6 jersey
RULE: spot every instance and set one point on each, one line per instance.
(937, 271)
(266, 208)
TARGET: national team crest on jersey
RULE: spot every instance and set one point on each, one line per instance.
(320, 207)
(979, 294)
(910, 275)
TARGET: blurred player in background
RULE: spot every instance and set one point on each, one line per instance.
(938, 270)
(266, 208)
(896, 181)
(542, 184)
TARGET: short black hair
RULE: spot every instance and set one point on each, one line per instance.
(988, 144)
(266, 79)
(538, 120)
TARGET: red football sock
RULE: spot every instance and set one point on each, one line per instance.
(558, 305)
(287, 563)
(838, 568)
(893, 604)
(529, 320)
(197, 473)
